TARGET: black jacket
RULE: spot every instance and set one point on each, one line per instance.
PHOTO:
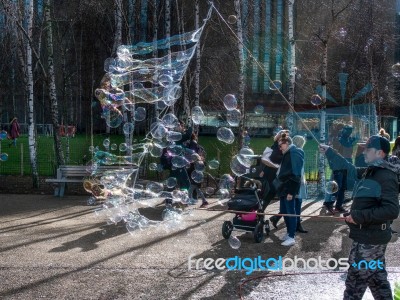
(290, 171)
(375, 199)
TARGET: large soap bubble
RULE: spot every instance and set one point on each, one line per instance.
(3, 135)
(213, 164)
(197, 115)
(140, 114)
(396, 70)
(225, 135)
(197, 176)
(3, 156)
(316, 100)
(233, 117)
(237, 167)
(170, 120)
(230, 102)
(158, 130)
(234, 242)
(128, 128)
(331, 187)
(232, 19)
(275, 85)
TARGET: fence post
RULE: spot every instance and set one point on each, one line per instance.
(22, 159)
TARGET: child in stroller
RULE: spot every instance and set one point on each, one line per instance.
(247, 199)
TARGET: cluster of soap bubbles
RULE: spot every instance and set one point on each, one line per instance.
(131, 79)
(3, 136)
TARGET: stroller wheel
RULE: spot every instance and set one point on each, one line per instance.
(227, 228)
(267, 228)
(258, 232)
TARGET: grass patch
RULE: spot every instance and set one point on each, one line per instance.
(19, 163)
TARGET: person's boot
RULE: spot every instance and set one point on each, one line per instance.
(274, 220)
(300, 228)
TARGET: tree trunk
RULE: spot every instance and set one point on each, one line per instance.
(29, 88)
(267, 46)
(322, 125)
(143, 20)
(52, 88)
(292, 66)
(241, 72)
(256, 46)
(197, 70)
(279, 40)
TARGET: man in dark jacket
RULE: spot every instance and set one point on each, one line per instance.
(375, 205)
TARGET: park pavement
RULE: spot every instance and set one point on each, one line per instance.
(54, 248)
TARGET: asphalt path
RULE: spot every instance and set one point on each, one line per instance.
(52, 248)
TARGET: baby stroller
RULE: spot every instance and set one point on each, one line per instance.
(247, 199)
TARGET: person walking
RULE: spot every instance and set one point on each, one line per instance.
(375, 205)
(14, 132)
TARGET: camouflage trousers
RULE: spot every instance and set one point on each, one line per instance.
(361, 275)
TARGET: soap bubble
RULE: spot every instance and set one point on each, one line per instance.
(165, 80)
(114, 147)
(197, 176)
(91, 149)
(396, 70)
(244, 156)
(158, 130)
(153, 166)
(331, 187)
(226, 182)
(106, 143)
(170, 120)
(213, 164)
(174, 136)
(275, 85)
(140, 114)
(199, 166)
(123, 147)
(155, 187)
(179, 162)
(3, 135)
(259, 110)
(237, 167)
(234, 242)
(232, 19)
(128, 128)
(3, 157)
(223, 194)
(113, 117)
(225, 135)
(233, 117)
(316, 100)
(230, 102)
(171, 182)
(210, 190)
(197, 115)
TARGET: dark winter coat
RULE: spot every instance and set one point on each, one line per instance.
(375, 199)
(290, 171)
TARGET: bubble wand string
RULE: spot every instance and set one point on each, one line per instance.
(269, 214)
(265, 73)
